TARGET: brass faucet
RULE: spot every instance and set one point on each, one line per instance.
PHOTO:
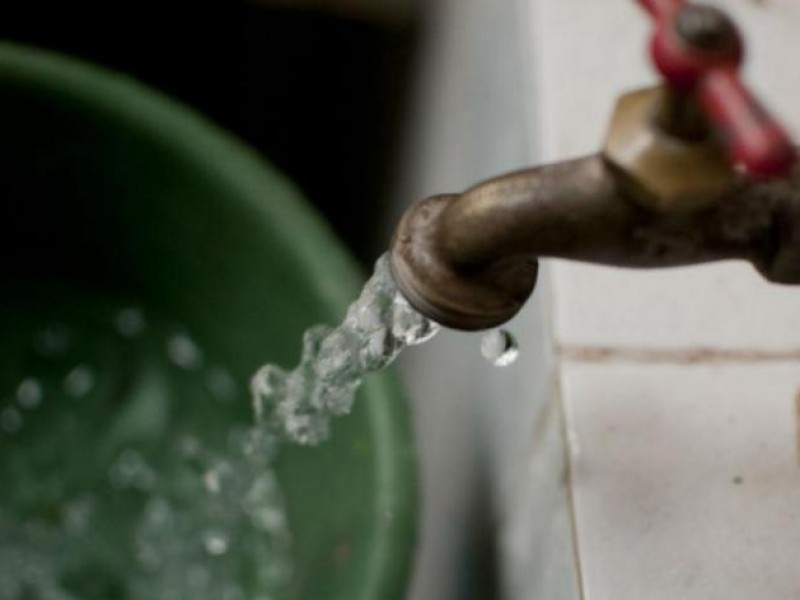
(692, 171)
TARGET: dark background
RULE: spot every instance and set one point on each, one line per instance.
(320, 92)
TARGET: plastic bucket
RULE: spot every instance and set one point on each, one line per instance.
(112, 195)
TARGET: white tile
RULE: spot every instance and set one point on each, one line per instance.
(725, 305)
(686, 481)
(522, 430)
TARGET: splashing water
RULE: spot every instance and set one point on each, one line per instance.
(298, 405)
(208, 514)
(197, 518)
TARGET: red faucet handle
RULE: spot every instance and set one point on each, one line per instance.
(698, 49)
(661, 9)
(752, 136)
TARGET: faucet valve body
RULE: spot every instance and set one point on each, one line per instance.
(691, 171)
(698, 51)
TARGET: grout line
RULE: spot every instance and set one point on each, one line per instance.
(797, 422)
(673, 356)
(558, 396)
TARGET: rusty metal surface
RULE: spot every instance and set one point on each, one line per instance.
(706, 28)
(663, 154)
(469, 260)
(661, 193)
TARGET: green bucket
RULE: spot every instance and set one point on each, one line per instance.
(112, 197)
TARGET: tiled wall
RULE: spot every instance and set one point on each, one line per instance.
(645, 444)
(680, 387)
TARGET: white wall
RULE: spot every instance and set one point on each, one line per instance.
(474, 113)
(683, 440)
(657, 471)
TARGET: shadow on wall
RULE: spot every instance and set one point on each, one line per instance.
(317, 89)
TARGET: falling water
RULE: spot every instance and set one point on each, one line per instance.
(299, 404)
(208, 515)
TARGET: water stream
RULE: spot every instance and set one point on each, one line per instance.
(189, 519)
(297, 405)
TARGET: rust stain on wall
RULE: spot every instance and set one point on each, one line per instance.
(797, 423)
(678, 356)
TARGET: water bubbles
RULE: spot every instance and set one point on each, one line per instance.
(77, 515)
(215, 543)
(130, 471)
(79, 381)
(269, 518)
(11, 420)
(130, 322)
(155, 523)
(198, 576)
(54, 341)
(30, 561)
(183, 352)
(190, 446)
(411, 326)
(212, 482)
(185, 546)
(211, 522)
(267, 386)
(305, 429)
(233, 592)
(158, 512)
(220, 384)
(29, 393)
(499, 347)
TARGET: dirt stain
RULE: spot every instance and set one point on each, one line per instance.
(797, 422)
(676, 356)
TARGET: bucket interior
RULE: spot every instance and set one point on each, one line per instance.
(116, 204)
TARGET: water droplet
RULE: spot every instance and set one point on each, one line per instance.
(29, 393)
(147, 556)
(215, 543)
(79, 381)
(130, 322)
(211, 481)
(183, 352)
(499, 347)
(11, 420)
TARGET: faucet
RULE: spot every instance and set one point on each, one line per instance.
(692, 170)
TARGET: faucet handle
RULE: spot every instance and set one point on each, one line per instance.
(698, 51)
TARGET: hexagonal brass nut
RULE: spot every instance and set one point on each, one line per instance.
(663, 172)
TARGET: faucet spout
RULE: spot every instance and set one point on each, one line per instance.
(680, 180)
(470, 260)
